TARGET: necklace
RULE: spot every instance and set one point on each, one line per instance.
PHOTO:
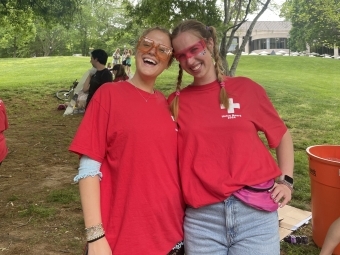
(146, 99)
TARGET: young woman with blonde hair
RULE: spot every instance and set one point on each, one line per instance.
(128, 175)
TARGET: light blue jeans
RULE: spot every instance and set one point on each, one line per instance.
(231, 228)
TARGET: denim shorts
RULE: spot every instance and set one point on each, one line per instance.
(231, 228)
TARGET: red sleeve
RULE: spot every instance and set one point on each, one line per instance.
(3, 117)
(267, 119)
(91, 136)
(171, 97)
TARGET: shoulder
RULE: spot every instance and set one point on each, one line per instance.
(160, 93)
(111, 89)
(242, 82)
(107, 74)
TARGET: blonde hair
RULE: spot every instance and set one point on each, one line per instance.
(157, 28)
(204, 32)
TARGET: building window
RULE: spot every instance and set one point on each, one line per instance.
(275, 43)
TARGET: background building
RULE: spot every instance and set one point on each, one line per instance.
(272, 36)
(266, 36)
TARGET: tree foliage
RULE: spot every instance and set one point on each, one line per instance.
(236, 12)
(60, 27)
(95, 24)
(226, 17)
(16, 32)
(56, 10)
(168, 13)
(313, 21)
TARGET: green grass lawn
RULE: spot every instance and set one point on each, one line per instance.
(305, 91)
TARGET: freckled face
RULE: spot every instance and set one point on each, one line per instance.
(195, 57)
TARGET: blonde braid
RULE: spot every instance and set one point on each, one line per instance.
(174, 106)
(219, 69)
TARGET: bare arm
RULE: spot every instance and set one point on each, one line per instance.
(285, 159)
(285, 155)
(90, 199)
(86, 86)
(332, 238)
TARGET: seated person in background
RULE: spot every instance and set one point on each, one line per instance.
(98, 60)
(3, 127)
(332, 238)
(119, 72)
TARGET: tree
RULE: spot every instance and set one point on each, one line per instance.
(49, 38)
(226, 18)
(168, 13)
(56, 10)
(16, 32)
(313, 21)
(235, 14)
(100, 24)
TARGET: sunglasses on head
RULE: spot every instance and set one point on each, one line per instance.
(145, 45)
(191, 51)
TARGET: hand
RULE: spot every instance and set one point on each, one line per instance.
(99, 247)
(281, 194)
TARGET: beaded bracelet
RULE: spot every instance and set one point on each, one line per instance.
(94, 233)
(96, 239)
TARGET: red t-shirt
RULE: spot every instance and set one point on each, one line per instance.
(220, 151)
(121, 78)
(136, 141)
(3, 127)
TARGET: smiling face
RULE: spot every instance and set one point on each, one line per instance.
(194, 55)
(153, 56)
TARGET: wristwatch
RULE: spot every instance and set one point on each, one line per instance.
(287, 180)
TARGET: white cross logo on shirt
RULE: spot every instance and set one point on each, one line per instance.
(232, 106)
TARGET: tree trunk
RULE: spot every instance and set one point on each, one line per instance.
(223, 54)
(246, 39)
(226, 42)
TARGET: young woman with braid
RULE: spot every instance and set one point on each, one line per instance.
(227, 173)
(128, 175)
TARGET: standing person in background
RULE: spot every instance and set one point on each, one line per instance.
(3, 127)
(227, 173)
(128, 62)
(125, 52)
(102, 75)
(116, 57)
(128, 174)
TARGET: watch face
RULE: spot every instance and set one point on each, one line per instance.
(289, 179)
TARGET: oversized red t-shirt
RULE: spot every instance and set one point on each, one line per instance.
(220, 151)
(3, 127)
(132, 134)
